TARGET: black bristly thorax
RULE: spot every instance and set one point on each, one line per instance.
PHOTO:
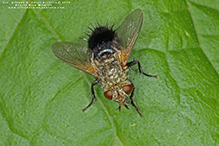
(101, 41)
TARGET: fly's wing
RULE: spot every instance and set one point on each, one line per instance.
(128, 32)
(75, 55)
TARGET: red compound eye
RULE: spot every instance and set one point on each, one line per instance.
(127, 89)
(108, 94)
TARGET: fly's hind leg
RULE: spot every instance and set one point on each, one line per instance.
(140, 68)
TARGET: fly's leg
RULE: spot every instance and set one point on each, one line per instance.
(132, 102)
(131, 96)
(124, 105)
(140, 68)
(92, 93)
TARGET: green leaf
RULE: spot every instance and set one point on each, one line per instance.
(41, 97)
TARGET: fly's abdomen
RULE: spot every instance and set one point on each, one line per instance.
(101, 42)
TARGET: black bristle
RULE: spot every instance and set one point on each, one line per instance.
(99, 35)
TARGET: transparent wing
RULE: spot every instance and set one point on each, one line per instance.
(128, 32)
(75, 55)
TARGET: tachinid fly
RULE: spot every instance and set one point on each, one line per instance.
(106, 58)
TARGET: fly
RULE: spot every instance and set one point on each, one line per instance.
(106, 58)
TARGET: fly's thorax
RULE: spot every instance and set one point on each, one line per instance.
(111, 73)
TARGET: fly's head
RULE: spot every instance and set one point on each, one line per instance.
(119, 94)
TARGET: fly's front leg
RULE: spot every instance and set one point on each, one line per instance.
(132, 102)
(92, 93)
(140, 68)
